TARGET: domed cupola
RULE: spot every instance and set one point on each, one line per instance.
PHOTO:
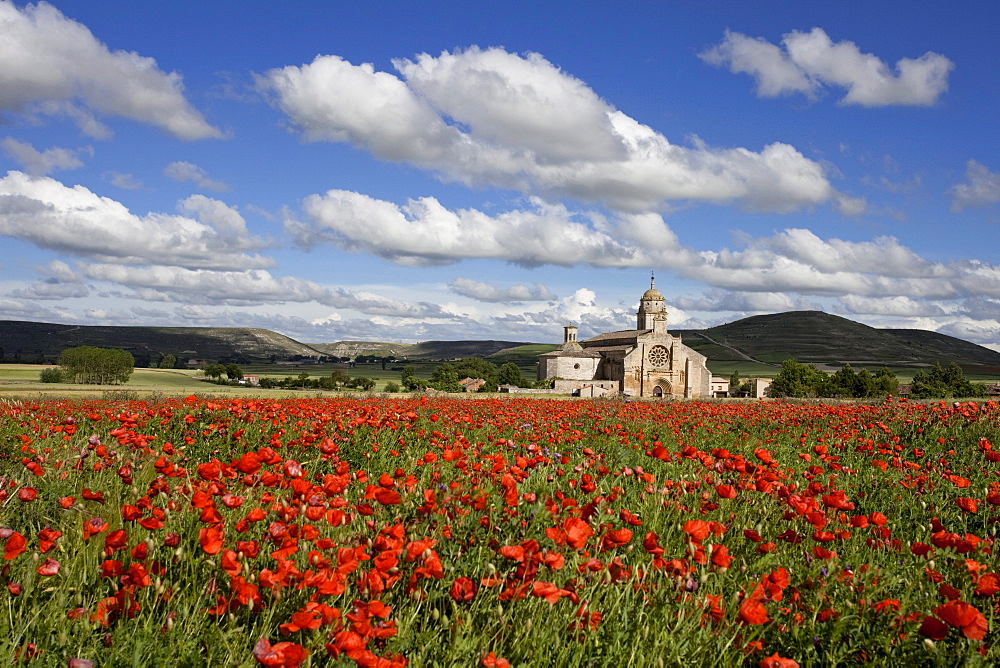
(651, 307)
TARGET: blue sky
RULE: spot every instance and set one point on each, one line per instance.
(407, 171)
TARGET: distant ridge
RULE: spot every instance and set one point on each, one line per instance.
(812, 337)
(28, 340)
(818, 337)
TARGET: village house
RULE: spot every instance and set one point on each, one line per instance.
(643, 362)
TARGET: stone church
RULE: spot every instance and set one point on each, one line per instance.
(642, 362)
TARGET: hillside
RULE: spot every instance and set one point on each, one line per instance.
(30, 340)
(811, 337)
(817, 337)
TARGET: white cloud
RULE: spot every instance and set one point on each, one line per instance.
(492, 118)
(123, 181)
(186, 171)
(74, 220)
(981, 188)
(891, 306)
(793, 260)
(51, 289)
(745, 302)
(252, 287)
(39, 163)
(425, 232)
(811, 60)
(488, 292)
(50, 64)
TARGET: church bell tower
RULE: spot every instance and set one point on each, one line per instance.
(651, 308)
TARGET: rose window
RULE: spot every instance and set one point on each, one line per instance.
(659, 356)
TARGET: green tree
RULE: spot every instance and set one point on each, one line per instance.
(944, 382)
(339, 378)
(510, 374)
(234, 372)
(168, 362)
(50, 375)
(97, 366)
(885, 381)
(798, 380)
(215, 371)
(445, 378)
(408, 376)
(362, 383)
(392, 386)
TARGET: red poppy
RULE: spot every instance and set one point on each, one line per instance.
(16, 544)
(776, 661)
(933, 628)
(210, 538)
(698, 530)
(752, 610)
(964, 616)
(280, 654)
(988, 585)
(578, 532)
(463, 590)
(491, 660)
(48, 567)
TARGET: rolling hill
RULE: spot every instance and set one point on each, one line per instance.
(31, 340)
(812, 337)
(815, 337)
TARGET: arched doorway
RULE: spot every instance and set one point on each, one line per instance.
(662, 389)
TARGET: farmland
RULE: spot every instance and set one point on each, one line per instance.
(492, 532)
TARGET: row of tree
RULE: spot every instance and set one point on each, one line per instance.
(446, 377)
(98, 366)
(805, 380)
(337, 380)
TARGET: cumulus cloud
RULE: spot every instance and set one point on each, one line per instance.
(186, 171)
(251, 287)
(43, 211)
(493, 118)
(981, 188)
(53, 65)
(793, 260)
(488, 292)
(424, 232)
(892, 306)
(807, 62)
(123, 181)
(39, 163)
(745, 302)
(52, 289)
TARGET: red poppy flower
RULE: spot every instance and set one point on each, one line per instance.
(775, 661)
(463, 590)
(751, 610)
(964, 616)
(16, 544)
(210, 538)
(933, 628)
(280, 654)
(578, 532)
(48, 567)
(988, 585)
(698, 530)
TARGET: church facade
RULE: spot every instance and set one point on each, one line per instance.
(643, 362)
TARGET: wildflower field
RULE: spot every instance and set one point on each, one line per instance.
(423, 532)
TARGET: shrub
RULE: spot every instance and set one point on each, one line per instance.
(51, 375)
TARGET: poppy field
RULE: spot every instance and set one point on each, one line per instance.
(496, 532)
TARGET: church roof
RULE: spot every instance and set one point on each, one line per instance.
(623, 335)
(570, 351)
